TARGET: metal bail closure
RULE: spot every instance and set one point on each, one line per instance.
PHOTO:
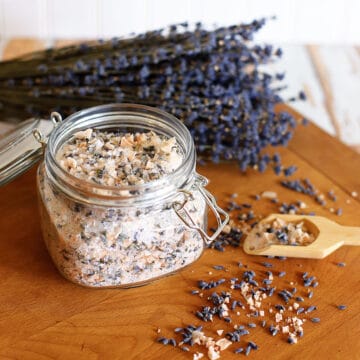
(22, 147)
(185, 216)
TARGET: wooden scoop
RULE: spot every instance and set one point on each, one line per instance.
(329, 236)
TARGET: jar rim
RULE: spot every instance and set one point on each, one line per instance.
(120, 114)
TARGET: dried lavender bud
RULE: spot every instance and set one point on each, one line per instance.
(211, 80)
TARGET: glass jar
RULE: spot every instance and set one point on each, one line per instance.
(102, 236)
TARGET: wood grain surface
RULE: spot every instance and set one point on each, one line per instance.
(43, 316)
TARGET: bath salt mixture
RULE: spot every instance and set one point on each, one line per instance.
(99, 246)
(114, 159)
(280, 232)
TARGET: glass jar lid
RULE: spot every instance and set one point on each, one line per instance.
(22, 147)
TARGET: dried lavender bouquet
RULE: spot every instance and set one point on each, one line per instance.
(212, 80)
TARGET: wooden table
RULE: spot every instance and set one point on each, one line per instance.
(43, 316)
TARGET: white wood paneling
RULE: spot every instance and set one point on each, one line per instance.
(117, 18)
(2, 44)
(21, 18)
(352, 26)
(300, 74)
(69, 17)
(339, 71)
(174, 14)
(300, 21)
(2, 19)
(219, 12)
(321, 21)
(280, 29)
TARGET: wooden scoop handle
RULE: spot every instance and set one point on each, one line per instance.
(351, 235)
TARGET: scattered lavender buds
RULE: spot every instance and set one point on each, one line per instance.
(219, 267)
(212, 80)
(284, 319)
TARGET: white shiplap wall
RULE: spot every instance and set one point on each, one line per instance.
(299, 21)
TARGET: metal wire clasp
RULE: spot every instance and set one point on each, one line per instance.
(185, 216)
(56, 118)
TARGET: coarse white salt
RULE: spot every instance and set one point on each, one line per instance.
(198, 356)
(293, 337)
(198, 337)
(285, 329)
(269, 195)
(302, 205)
(354, 194)
(220, 332)
(278, 317)
(213, 354)
(223, 343)
(86, 134)
(226, 229)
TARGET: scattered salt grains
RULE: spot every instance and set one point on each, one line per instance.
(223, 344)
(198, 356)
(253, 291)
(354, 194)
(302, 205)
(269, 195)
(285, 329)
(226, 229)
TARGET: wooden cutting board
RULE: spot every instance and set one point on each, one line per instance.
(43, 316)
